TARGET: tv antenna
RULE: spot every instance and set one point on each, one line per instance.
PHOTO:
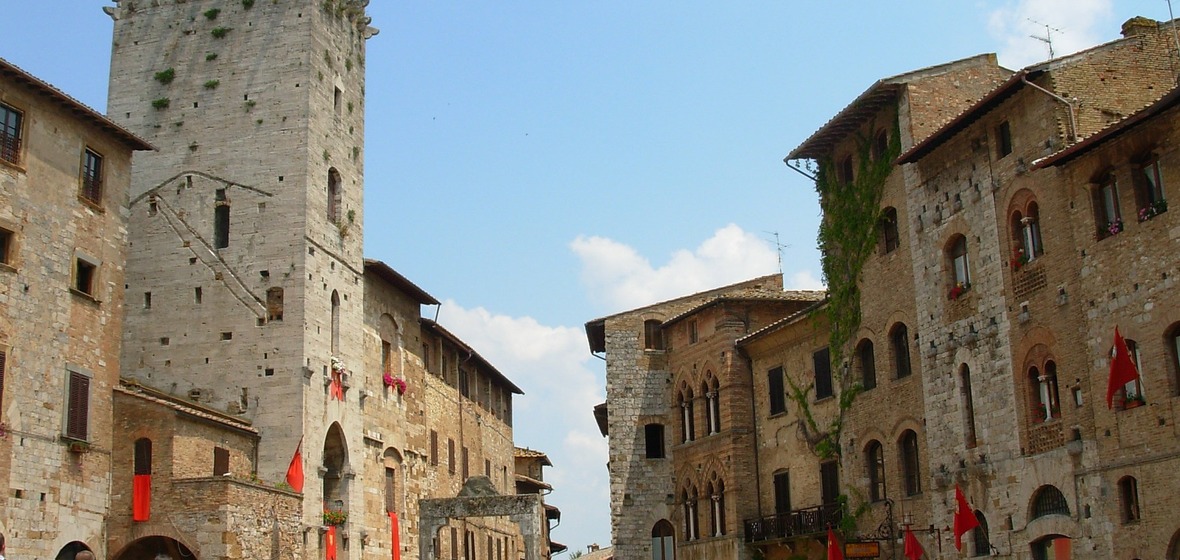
(1048, 38)
(778, 249)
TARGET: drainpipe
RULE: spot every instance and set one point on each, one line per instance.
(1073, 122)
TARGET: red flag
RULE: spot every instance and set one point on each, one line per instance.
(141, 497)
(834, 552)
(913, 548)
(295, 470)
(1122, 368)
(397, 539)
(965, 519)
(330, 543)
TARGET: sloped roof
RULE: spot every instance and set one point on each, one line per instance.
(526, 453)
(788, 320)
(441, 332)
(1116, 129)
(13, 72)
(787, 295)
(387, 273)
(133, 388)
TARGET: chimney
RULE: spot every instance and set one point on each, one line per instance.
(1139, 25)
(592, 548)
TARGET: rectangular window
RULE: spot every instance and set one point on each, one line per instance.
(390, 488)
(451, 456)
(274, 304)
(3, 362)
(78, 407)
(1106, 208)
(220, 220)
(782, 492)
(433, 448)
(653, 339)
(777, 392)
(464, 384)
(92, 176)
(692, 332)
(454, 544)
(85, 276)
(10, 133)
(654, 440)
(1003, 139)
(487, 468)
(220, 461)
(829, 473)
(823, 374)
(6, 246)
(466, 463)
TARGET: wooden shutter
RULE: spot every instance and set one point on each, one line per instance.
(220, 461)
(143, 456)
(78, 407)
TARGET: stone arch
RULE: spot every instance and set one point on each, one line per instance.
(478, 498)
(1174, 546)
(394, 491)
(335, 469)
(148, 548)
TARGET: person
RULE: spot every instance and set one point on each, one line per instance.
(84, 555)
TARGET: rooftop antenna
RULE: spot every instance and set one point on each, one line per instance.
(1048, 38)
(778, 249)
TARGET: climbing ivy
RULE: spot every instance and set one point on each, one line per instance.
(847, 238)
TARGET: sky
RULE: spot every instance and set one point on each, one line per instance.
(536, 164)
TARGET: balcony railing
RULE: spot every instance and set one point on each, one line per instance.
(796, 523)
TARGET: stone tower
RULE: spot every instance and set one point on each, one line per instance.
(244, 277)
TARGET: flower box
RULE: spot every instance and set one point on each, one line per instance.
(335, 517)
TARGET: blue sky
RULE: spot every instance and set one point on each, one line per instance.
(540, 164)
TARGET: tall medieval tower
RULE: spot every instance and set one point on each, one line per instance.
(244, 277)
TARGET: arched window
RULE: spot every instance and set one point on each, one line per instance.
(960, 266)
(875, 462)
(846, 174)
(899, 340)
(689, 497)
(880, 144)
(1048, 500)
(393, 461)
(910, 468)
(663, 543)
(712, 392)
(1046, 401)
(868, 364)
(717, 510)
(334, 196)
(968, 406)
(981, 544)
(335, 323)
(890, 239)
(1129, 499)
(653, 339)
(686, 415)
(334, 477)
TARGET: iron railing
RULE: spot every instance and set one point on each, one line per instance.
(795, 523)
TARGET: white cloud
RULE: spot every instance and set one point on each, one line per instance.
(562, 383)
(619, 278)
(1076, 22)
(803, 280)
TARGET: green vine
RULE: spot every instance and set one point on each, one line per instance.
(847, 238)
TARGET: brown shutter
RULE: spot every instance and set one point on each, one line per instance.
(143, 456)
(78, 407)
(220, 461)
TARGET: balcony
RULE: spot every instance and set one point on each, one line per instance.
(796, 523)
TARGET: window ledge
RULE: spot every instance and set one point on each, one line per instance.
(5, 267)
(16, 166)
(85, 296)
(96, 206)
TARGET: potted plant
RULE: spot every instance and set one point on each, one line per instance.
(335, 517)
(395, 382)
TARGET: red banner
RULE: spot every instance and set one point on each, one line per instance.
(330, 543)
(397, 538)
(141, 497)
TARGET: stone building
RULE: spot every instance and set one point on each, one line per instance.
(530, 479)
(64, 175)
(247, 224)
(679, 419)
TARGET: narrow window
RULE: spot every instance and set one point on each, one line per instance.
(890, 239)
(1172, 343)
(1107, 217)
(653, 339)
(777, 392)
(960, 267)
(968, 406)
(1030, 232)
(717, 511)
(6, 246)
(823, 374)
(981, 544)
(713, 404)
(78, 407)
(335, 323)
(433, 448)
(220, 461)
(867, 362)
(464, 383)
(84, 276)
(829, 475)
(337, 97)
(10, 134)
(691, 521)
(911, 472)
(143, 456)
(334, 195)
(1133, 390)
(450, 456)
(1149, 189)
(686, 416)
(220, 220)
(91, 176)
(875, 461)
(846, 174)
(899, 338)
(197, 295)
(1003, 139)
(274, 304)
(3, 362)
(880, 144)
(147, 300)
(654, 439)
(692, 332)
(1129, 499)
(782, 492)
(390, 490)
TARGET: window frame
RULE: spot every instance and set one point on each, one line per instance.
(782, 491)
(911, 463)
(8, 247)
(653, 338)
(91, 178)
(654, 441)
(1108, 217)
(76, 421)
(1003, 139)
(1129, 511)
(823, 375)
(866, 358)
(899, 340)
(959, 258)
(85, 276)
(1150, 197)
(890, 235)
(776, 390)
(875, 465)
(12, 134)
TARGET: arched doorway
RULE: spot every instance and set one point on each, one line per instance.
(148, 548)
(337, 475)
